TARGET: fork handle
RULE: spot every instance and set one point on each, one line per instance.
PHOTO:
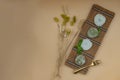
(76, 71)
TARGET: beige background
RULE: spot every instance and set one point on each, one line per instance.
(28, 40)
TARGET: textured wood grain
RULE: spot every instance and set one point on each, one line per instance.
(90, 54)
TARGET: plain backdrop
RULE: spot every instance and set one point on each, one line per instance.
(28, 40)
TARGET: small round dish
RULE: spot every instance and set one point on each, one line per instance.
(92, 32)
(99, 20)
(80, 60)
(86, 44)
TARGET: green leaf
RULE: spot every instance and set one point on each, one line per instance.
(99, 30)
(79, 48)
(80, 42)
(56, 19)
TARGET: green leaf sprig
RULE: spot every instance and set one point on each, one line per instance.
(79, 48)
(99, 30)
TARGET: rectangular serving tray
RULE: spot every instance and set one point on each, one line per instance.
(89, 22)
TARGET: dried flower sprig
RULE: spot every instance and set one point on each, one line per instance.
(64, 31)
(63, 26)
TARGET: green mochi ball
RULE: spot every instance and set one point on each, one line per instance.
(80, 60)
(92, 32)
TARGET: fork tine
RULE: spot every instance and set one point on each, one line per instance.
(96, 62)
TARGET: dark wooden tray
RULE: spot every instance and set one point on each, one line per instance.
(90, 54)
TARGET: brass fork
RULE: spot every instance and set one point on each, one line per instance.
(94, 63)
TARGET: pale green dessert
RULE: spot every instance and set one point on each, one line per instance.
(86, 44)
(99, 20)
(92, 32)
(80, 60)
